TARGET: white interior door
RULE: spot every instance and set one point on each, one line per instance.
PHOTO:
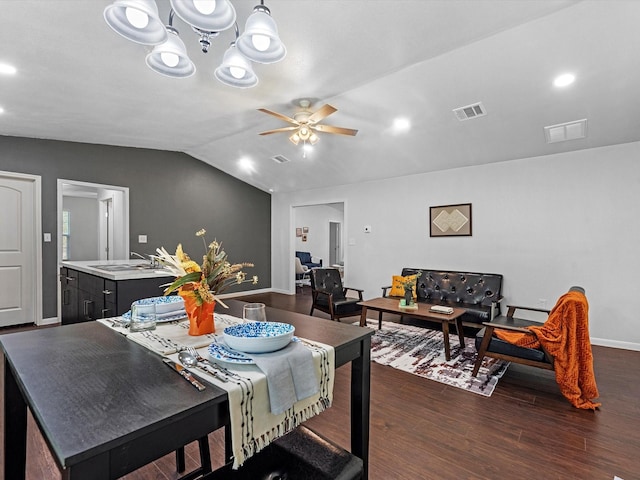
(20, 251)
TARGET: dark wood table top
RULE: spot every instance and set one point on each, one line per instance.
(91, 390)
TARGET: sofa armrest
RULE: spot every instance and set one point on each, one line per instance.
(316, 260)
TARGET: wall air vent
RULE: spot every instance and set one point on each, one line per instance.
(280, 159)
(470, 111)
(566, 131)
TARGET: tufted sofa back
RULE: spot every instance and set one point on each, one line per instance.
(457, 287)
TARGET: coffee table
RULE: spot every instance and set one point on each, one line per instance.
(391, 305)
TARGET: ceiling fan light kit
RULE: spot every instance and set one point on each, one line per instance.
(139, 21)
(306, 124)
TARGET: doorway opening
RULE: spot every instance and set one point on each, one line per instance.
(318, 230)
(94, 220)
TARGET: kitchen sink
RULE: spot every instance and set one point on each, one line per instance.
(119, 267)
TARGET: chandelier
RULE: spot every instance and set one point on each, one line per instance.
(139, 21)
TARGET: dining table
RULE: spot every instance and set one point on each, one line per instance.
(106, 405)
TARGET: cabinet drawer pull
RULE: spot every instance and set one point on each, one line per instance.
(85, 309)
(105, 313)
(107, 292)
(69, 279)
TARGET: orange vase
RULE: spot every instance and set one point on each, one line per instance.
(200, 316)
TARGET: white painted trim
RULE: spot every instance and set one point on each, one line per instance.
(49, 321)
(37, 237)
(244, 293)
(603, 342)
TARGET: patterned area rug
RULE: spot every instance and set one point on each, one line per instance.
(421, 351)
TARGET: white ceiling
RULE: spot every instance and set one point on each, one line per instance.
(374, 60)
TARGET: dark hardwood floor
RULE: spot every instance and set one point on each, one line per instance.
(426, 430)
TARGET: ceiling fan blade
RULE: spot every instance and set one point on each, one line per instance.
(332, 129)
(279, 130)
(280, 116)
(324, 112)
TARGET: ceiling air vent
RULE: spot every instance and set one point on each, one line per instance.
(280, 159)
(470, 111)
(566, 131)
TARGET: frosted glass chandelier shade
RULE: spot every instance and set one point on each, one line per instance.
(200, 14)
(136, 20)
(260, 41)
(236, 70)
(171, 58)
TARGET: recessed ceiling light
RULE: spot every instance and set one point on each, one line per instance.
(564, 80)
(246, 164)
(7, 69)
(401, 124)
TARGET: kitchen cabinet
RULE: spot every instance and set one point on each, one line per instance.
(87, 297)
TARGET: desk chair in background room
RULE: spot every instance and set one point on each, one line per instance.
(560, 344)
(330, 296)
(302, 274)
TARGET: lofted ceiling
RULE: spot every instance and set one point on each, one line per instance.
(374, 60)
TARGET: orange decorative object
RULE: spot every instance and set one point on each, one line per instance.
(200, 316)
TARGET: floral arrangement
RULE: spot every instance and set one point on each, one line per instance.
(203, 282)
(409, 282)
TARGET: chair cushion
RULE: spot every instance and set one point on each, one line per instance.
(506, 348)
(305, 257)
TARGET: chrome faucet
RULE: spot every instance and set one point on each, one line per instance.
(152, 260)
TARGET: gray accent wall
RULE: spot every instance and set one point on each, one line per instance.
(171, 196)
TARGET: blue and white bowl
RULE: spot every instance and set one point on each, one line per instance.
(163, 305)
(258, 337)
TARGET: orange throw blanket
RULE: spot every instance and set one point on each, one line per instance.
(565, 335)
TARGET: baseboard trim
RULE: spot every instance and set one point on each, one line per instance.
(48, 321)
(604, 342)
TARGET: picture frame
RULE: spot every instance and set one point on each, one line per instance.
(450, 220)
(298, 232)
(305, 229)
(304, 237)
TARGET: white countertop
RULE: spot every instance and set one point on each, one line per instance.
(92, 267)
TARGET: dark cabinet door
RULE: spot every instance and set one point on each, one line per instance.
(69, 300)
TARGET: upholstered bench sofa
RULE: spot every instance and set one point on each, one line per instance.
(478, 293)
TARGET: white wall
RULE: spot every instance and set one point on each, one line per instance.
(317, 218)
(545, 223)
(83, 238)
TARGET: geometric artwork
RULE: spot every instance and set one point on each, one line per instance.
(450, 220)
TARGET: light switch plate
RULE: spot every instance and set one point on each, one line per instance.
(47, 237)
(142, 239)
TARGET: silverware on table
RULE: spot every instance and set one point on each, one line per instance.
(184, 373)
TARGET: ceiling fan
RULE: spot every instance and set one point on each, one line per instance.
(305, 124)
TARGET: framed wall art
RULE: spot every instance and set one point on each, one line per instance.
(305, 229)
(298, 232)
(450, 220)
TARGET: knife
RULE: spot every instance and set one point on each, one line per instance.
(184, 372)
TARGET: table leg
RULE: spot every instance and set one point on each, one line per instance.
(460, 332)
(445, 333)
(15, 427)
(363, 317)
(360, 404)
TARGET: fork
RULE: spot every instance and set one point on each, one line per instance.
(222, 370)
